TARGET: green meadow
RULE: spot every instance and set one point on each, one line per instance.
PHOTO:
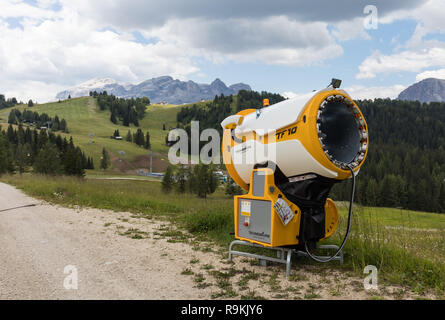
(84, 117)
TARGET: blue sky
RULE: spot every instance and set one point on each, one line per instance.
(289, 47)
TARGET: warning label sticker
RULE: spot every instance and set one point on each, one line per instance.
(245, 207)
(284, 211)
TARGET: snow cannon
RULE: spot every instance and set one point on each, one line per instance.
(288, 156)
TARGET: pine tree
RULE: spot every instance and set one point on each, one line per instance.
(167, 180)
(113, 118)
(11, 135)
(125, 121)
(6, 159)
(28, 135)
(129, 136)
(30, 103)
(48, 160)
(56, 124)
(147, 141)
(181, 178)
(442, 197)
(139, 138)
(42, 139)
(211, 179)
(12, 119)
(63, 126)
(21, 157)
(73, 161)
(104, 160)
(204, 180)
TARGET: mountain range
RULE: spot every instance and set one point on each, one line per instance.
(160, 89)
(427, 90)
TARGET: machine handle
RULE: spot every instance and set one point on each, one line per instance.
(232, 122)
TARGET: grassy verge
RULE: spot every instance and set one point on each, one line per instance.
(403, 252)
(407, 247)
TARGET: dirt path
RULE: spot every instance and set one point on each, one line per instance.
(122, 256)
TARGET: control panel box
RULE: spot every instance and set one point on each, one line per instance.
(264, 215)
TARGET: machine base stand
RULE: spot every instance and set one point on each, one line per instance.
(284, 255)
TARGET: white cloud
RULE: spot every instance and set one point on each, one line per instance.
(274, 40)
(417, 53)
(17, 9)
(439, 74)
(429, 17)
(292, 95)
(38, 91)
(408, 60)
(86, 39)
(144, 14)
(68, 46)
(66, 50)
(350, 29)
(358, 92)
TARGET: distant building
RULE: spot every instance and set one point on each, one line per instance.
(118, 138)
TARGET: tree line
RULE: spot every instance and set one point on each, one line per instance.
(7, 103)
(254, 100)
(125, 111)
(199, 179)
(43, 152)
(39, 120)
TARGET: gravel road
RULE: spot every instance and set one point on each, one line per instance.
(37, 243)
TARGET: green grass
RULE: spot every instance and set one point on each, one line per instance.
(394, 217)
(404, 251)
(187, 272)
(407, 247)
(155, 117)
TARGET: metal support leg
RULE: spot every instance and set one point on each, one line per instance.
(281, 258)
(263, 259)
(288, 263)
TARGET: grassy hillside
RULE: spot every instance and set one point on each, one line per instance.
(83, 117)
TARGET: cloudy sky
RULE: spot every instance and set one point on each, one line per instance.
(289, 47)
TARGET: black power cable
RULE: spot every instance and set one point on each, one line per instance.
(24, 206)
(348, 229)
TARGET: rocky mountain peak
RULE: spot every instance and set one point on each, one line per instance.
(159, 89)
(427, 90)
